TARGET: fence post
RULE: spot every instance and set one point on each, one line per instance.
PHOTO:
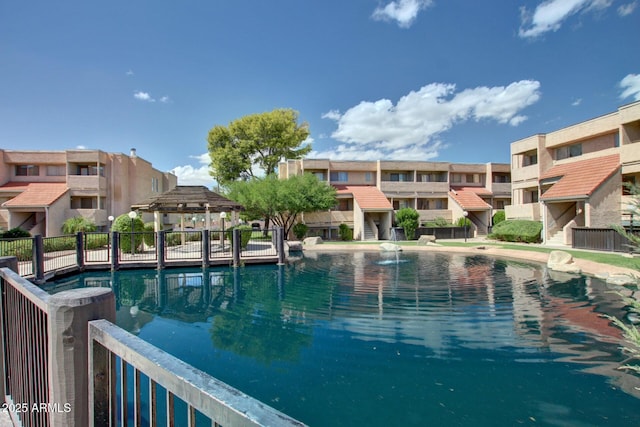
(38, 258)
(160, 248)
(115, 244)
(206, 248)
(69, 313)
(280, 245)
(236, 242)
(80, 250)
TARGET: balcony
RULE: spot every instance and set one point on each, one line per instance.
(530, 211)
(414, 187)
(86, 182)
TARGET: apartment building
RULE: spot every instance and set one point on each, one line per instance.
(39, 190)
(573, 177)
(369, 192)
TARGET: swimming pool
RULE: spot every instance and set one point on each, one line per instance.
(363, 338)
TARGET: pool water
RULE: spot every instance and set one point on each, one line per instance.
(346, 339)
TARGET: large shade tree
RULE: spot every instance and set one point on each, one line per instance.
(255, 144)
(283, 200)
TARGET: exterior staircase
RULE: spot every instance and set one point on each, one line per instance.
(369, 234)
(556, 240)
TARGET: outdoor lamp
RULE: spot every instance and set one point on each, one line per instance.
(110, 218)
(132, 215)
(223, 215)
(465, 214)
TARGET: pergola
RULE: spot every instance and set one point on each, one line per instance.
(187, 199)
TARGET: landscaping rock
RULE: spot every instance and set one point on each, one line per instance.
(426, 239)
(563, 262)
(390, 247)
(621, 280)
(311, 241)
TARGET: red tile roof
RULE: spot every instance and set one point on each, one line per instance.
(367, 197)
(36, 194)
(581, 178)
(469, 200)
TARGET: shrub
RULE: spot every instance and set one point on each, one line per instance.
(77, 224)
(517, 231)
(300, 230)
(149, 235)
(345, 232)
(22, 249)
(408, 219)
(440, 222)
(462, 221)
(95, 241)
(122, 224)
(15, 233)
(245, 234)
(55, 244)
(498, 217)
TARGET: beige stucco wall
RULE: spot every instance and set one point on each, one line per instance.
(605, 205)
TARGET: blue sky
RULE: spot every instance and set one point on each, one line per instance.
(454, 80)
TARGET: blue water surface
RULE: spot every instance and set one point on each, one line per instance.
(344, 339)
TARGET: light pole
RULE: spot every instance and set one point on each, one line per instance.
(223, 216)
(110, 218)
(465, 214)
(133, 216)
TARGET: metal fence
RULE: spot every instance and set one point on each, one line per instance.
(183, 245)
(60, 252)
(138, 246)
(22, 249)
(53, 376)
(599, 239)
(161, 380)
(25, 337)
(259, 243)
(97, 247)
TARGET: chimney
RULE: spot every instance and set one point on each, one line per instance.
(133, 153)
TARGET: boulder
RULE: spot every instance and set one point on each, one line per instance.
(390, 247)
(621, 280)
(563, 262)
(426, 239)
(311, 241)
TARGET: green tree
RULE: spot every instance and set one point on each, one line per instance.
(260, 140)
(78, 224)
(408, 219)
(283, 200)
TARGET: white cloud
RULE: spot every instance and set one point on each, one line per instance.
(410, 129)
(576, 102)
(550, 15)
(195, 175)
(627, 9)
(165, 100)
(630, 87)
(129, 73)
(402, 11)
(143, 96)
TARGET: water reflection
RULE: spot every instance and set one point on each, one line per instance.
(341, 320)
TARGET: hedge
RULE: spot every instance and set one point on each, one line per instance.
(517, 231)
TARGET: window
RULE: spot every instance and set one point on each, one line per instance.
(56, 170)
(399, 177)
(87, 170)
(473, 178)
(27, 170)
(339, 176)
(84, 203)
(626, 182)
(456, 177)
(319, 175)
(501, 178)
(368, 177)
(574, 150)
(154, 185)
(530, 159)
